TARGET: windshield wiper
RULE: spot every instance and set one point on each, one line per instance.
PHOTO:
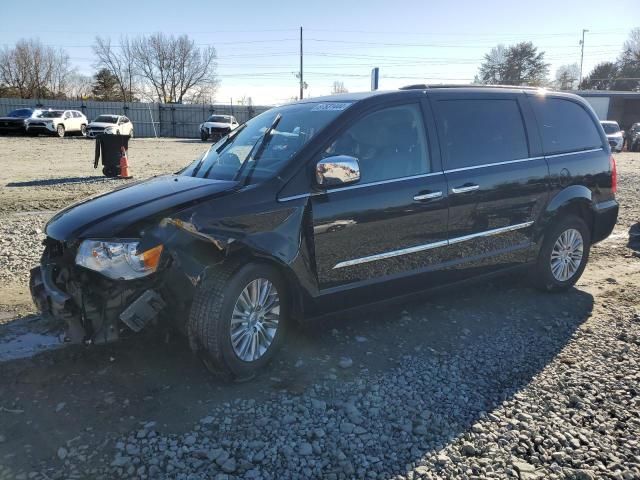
(228, 140)
(258, 147)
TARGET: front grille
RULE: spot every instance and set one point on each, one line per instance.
(37, 124)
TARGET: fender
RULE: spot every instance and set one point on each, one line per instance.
(573, 196)
(196, 243)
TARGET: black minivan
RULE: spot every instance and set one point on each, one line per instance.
(331, 203)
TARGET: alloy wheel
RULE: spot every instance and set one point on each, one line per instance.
(566, 255)
(255, 320)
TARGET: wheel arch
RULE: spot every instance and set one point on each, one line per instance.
(573, 200)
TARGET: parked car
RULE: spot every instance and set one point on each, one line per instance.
(110, 124)
(614, 134)
(633, 138)
(217, 126)
(57, 122)
(428, 187)
(15, 121)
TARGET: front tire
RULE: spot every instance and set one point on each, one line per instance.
(238, 319)
(60, 130)
(203, 136)
(563, 256)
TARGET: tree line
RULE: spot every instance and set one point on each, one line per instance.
(523, 64)
(157, 67)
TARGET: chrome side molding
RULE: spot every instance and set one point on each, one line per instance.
(429, 246)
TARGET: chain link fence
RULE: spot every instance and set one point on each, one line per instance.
(149, 119)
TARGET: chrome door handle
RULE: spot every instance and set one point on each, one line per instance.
(428, 196)
(465, 188)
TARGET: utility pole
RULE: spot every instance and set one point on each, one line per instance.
(584, 30)
(301, 79)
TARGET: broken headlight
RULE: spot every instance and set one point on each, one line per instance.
(118, 260)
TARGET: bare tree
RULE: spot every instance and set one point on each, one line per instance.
(492, 69)
(32, 70)
(338, 87)
(120, 62)
(567, 77)
(78, 86)
(176, 69)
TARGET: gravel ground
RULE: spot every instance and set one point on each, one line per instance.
(496, 381)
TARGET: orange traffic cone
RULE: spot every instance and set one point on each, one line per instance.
(124, 164)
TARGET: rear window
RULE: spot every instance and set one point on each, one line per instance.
(481, 131)
(565, 126)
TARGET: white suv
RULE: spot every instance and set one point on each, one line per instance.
(217, 126)
(110, 124)
(57, 122)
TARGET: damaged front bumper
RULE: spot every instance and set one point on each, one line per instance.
(94, 311)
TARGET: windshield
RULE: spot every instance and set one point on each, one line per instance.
(610, 128)
(219, 119)
(21, 113)
(297, 125)
(52, 114)
(107, 119)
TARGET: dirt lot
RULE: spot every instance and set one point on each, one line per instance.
(494, 381)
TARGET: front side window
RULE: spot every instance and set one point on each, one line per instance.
(565, 126)
(249, 155)
(481, 131)
(389, 144)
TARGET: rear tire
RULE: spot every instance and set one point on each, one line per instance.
(563, 255)
(131, 134)
(83, 130)
(225, 317)
(203, 136)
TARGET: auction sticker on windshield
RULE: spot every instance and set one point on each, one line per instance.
(330, 107)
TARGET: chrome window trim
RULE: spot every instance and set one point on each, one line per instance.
(555, 155)
(360, 185)
(429, 246)
(506, 162)
(382, 182)
(452, 170)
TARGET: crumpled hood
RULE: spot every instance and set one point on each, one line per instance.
(110, 214)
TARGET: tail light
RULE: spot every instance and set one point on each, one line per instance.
(614, 174)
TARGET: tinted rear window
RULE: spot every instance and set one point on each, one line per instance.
(565, 126)
(479, 131)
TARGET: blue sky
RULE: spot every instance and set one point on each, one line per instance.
(257, 41)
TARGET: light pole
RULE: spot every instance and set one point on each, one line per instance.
(584, 30)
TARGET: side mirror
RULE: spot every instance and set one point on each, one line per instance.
(337, 170)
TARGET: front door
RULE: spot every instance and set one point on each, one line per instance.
(498, 182)
(394, 220)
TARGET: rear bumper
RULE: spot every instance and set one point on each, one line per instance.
(604, 219)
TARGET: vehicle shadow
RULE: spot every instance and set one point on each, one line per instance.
(634, 237)
(60, 181)
(480, 345)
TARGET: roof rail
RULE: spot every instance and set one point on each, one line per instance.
(423, 86)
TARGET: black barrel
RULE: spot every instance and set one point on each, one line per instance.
(109, 147)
